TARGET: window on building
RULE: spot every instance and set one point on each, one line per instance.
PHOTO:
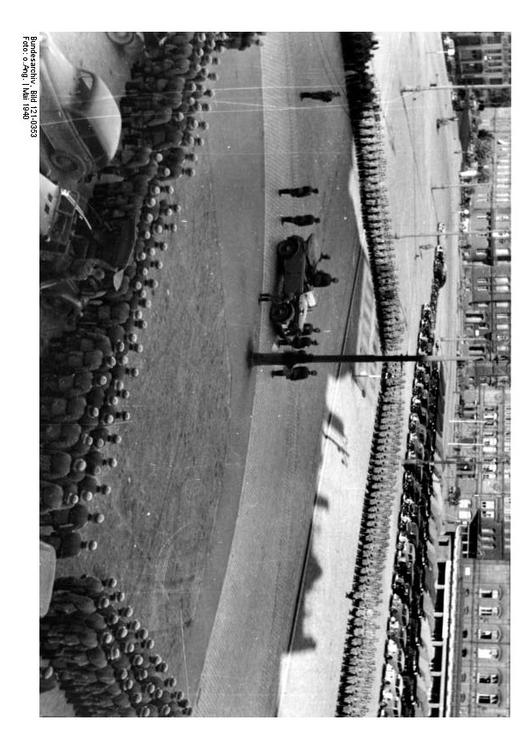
(502, 305)
(487, 504)
(488, 678)
(488, 635)
(488, 653)
(489, 593)
(488, 699)
(489, 611)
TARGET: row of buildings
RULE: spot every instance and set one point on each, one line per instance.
(471, 635)
(486, 259)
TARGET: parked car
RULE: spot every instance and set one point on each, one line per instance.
(439, 266)
(80, 122)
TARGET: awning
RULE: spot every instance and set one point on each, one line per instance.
(428, 609)
(429, 583)
(425, 634)
(422, 701)
(433, 529)
(432, 556)
(437, 508)
(424, 678)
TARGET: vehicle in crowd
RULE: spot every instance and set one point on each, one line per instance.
(59, 210)
(296, 258)
(137, 39)
(80, 122)
(68, 233)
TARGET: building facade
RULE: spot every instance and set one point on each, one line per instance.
(482, 446)
(480, 680)
(487, 261)
(483, 58)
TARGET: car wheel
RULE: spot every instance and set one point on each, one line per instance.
(281, 312)
(286, 249)
(121, 38)
(67, 164)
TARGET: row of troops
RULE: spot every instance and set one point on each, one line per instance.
(360, 655)
(366, 119)
(101, 656)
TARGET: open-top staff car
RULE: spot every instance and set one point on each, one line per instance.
(297, 259)
(80, 122)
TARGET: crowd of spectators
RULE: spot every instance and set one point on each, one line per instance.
(98, 656)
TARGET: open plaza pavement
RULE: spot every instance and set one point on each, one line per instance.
(233, 521)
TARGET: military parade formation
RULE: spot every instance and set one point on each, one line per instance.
(91, 646)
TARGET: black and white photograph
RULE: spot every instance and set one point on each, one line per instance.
(274, 371)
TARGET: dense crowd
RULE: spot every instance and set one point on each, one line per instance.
(100, 659)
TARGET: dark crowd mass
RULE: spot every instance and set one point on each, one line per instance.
(102, 658)
(102, 290)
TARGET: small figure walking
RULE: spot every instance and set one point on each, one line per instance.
(323, 96)
(299, 192)
(298, 342)
(293, 373)
(304, 220)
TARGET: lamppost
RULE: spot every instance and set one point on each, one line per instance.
(452, 87)
(292, 358)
